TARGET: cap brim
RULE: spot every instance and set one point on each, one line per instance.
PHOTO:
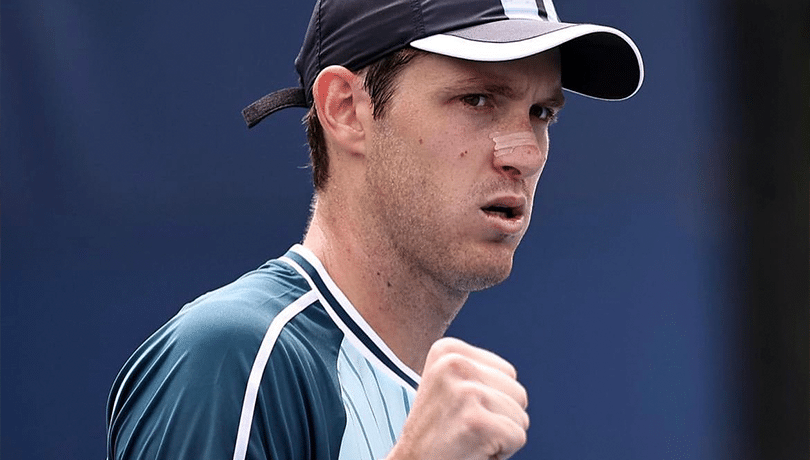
(597, 61)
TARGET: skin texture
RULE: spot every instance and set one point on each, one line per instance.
(415, 217)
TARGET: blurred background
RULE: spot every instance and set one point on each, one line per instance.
(658, 308)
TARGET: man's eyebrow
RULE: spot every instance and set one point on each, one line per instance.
(556, 102)
(486, 84)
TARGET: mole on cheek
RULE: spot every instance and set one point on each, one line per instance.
(463, 154)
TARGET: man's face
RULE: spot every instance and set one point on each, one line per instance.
(439, 198)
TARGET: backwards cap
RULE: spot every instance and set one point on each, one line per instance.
(596, 61)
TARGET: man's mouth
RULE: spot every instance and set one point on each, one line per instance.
(505, 212)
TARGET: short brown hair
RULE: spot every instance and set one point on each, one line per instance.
(379, 80)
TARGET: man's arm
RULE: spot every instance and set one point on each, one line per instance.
(181, 395)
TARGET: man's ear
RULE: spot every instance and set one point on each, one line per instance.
(344, 108)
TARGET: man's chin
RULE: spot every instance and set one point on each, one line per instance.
(488, 282)
(483, 278)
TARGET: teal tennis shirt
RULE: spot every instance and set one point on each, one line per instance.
(276, 365)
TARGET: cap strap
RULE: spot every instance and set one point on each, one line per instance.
(273, 102)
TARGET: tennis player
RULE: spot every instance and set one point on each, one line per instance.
(428, 126)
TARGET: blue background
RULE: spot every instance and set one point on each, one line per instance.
(130, 186)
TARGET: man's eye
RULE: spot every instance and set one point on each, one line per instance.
(544, 113)
(475, 100)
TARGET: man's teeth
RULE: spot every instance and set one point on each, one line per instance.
(505, 211)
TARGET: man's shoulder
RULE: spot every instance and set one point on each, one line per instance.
(264, 291)
(192, 376)
(241, 314)
(268, 321)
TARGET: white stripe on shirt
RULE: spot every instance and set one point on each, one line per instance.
(259, 364)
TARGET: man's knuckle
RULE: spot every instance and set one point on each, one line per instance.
(521, 437)
(476, 423)
(513, 439)
(456, 364)
(470, 392)
(523, 397)
(511, 371)
(448, 345)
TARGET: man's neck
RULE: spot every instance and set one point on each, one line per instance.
(407, 309)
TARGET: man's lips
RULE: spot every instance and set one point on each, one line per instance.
(506, 213)
(510, 207)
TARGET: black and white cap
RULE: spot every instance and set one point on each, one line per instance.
(596, 61)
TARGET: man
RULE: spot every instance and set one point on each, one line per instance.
(428, 127)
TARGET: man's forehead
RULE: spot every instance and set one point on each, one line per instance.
(509, 78)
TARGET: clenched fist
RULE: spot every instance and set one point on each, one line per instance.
(469, 406)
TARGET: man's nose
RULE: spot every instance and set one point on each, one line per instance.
(519, 154)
